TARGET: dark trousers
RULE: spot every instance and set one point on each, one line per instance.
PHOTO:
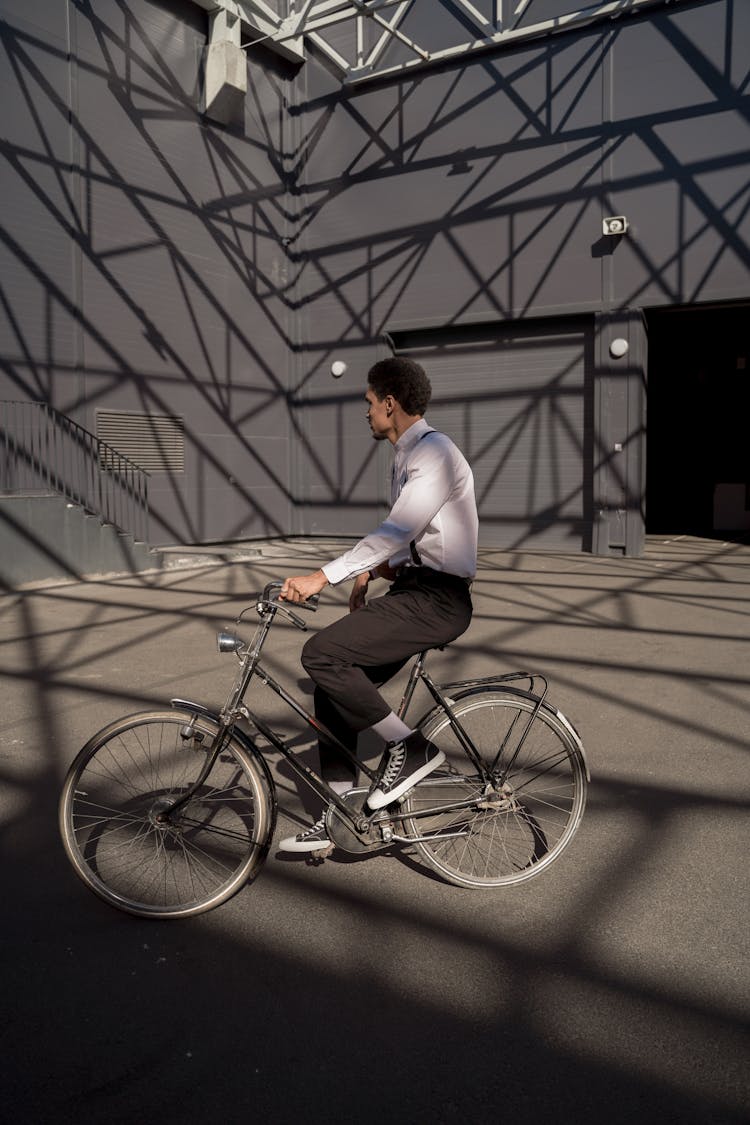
(349, 660)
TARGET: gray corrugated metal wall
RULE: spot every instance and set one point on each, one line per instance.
(475, 193)
(154, 261)
(519, 401)
(143, 266)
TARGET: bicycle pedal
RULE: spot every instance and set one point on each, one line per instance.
(317, 857)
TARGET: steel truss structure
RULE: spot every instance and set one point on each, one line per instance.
(357, 36)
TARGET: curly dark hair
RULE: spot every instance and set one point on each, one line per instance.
(404, 380)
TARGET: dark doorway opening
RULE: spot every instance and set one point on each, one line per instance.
(698, 423)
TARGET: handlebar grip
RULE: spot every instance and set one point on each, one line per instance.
(271, 594)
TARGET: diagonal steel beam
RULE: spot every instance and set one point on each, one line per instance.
(476, 16)
(513, 36)
(392, 29)
(312, 18)
(385, 39)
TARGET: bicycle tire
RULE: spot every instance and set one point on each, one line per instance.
(508, 836)
(125, 776)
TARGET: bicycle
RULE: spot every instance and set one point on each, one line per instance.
(166, 814)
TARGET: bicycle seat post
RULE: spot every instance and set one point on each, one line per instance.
(415, 675)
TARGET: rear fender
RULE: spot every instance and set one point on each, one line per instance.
(455, 692)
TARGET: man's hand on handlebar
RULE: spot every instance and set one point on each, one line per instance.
(303, 586)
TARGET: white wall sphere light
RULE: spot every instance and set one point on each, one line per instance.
(618, 348)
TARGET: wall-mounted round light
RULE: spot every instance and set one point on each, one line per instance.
(618, 348)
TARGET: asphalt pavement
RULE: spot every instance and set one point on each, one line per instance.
(611, 988)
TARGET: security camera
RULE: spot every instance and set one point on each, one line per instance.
(616, 224)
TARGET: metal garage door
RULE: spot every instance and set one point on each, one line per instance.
(518, 400)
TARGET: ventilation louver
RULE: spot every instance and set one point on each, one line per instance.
(155, 442)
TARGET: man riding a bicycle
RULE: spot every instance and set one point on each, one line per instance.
(168, 813)
(427, 549)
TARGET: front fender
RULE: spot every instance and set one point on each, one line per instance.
(244, 740)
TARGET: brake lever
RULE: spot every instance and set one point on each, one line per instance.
(292, 616)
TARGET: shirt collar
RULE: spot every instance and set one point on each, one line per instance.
(411, 436)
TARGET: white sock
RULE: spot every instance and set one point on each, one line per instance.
(391, 728)
(341, 786)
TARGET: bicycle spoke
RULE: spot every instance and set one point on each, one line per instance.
(519, 824)
(127, 845)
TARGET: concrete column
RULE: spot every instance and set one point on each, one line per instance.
(226, 69)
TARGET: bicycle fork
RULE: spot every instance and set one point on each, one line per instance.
(187, 732)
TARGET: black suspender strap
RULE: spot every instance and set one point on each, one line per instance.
(415, 556)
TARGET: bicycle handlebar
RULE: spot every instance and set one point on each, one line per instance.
(270, 597)
(310, 604)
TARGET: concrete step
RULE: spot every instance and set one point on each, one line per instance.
(46, 538)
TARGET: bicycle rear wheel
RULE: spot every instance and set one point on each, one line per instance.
(123, 847)
(512, 829)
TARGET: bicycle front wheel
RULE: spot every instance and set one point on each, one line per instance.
(130, 849)
(492, 834)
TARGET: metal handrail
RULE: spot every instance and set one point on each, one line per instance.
(43, 451)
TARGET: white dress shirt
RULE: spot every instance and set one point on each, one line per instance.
(433, 504)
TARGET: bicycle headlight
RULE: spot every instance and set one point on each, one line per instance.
(228, 642)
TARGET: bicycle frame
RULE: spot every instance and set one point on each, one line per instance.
(442, 700)
(250, 667)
